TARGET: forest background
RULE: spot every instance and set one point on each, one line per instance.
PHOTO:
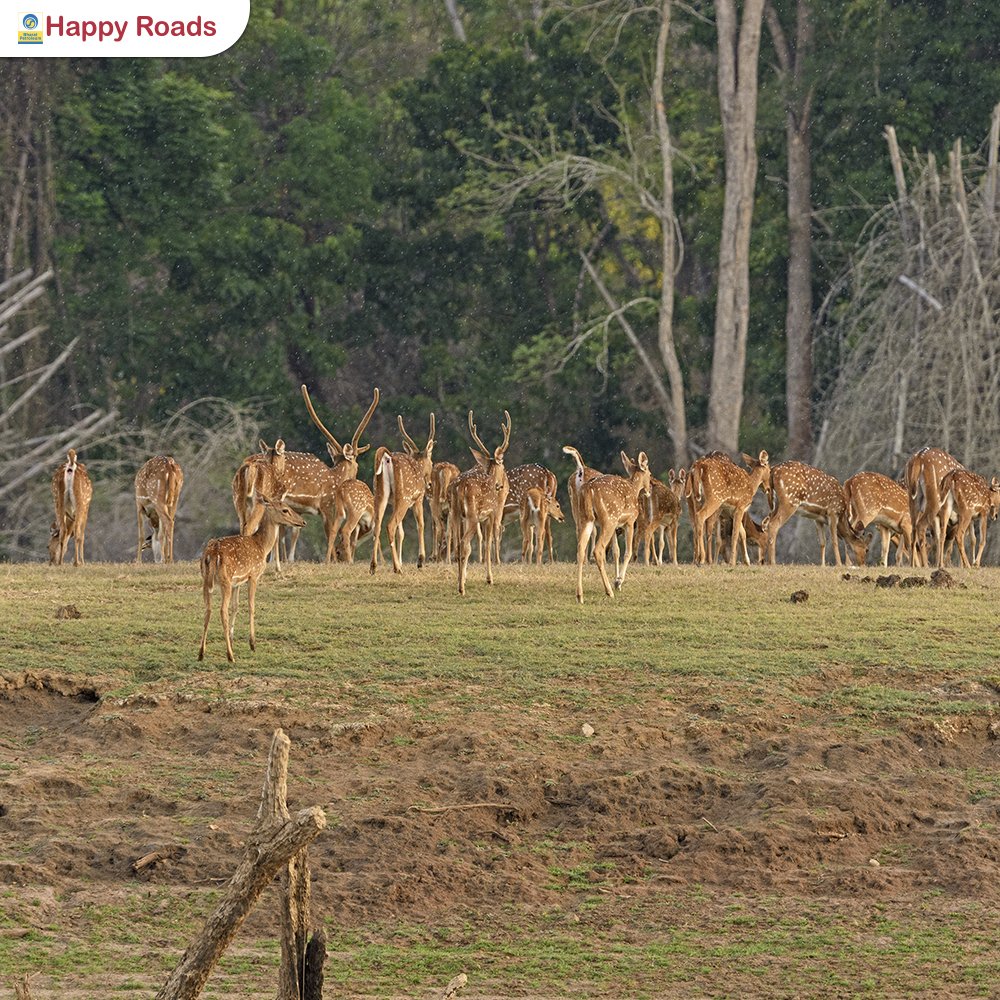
(475, 205)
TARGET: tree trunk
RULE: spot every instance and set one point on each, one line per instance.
(792, 64)
(737, 73)
(677, 427)
(456, 19)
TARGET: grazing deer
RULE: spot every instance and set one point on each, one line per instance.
(922, 479)
(72, 492)
(353, 518)
(607, 503)
(660, 516)
(237, 559)
(797, 487)
(478, 497)
(874, 499)
(259, 475)
(405, 478)
(755, 534)
(523, 478)
(443, 474)
(158, 487)
(967, 495)
(715, 482)
(537, 507)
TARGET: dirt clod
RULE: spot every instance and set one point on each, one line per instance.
(68, 611)
(942, 578)
(799, 597)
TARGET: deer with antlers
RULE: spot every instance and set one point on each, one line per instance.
(922, 478)
(874, 499)
(353, 518)
(158, 487)
(965, 496)
(607, 503)
(537, 508)
(443, 474)
(478, 497)
(404, 478)
(310, 484)
(228, 563)
(715, 482)
(72, 492)
(797, 487)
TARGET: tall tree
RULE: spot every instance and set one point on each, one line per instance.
(793, 58)
(738, 52)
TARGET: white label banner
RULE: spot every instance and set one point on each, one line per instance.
(62, 28)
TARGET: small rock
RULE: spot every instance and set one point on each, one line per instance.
(799, 597)
(874, 863)
(846, 576)
(587, 729)
(993, 731)
(68, 611)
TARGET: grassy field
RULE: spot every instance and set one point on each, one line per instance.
(785, 748)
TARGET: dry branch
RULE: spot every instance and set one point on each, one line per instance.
(273, 842)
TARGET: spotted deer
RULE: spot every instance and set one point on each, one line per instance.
(405, 479)
(755, 534)
(158, 487)
(659, 516)
(228, 563)
(874, 499)
(574, 484)
(311, 484)
(537, 508)
(607, 503)
(715, 482)
(72, 492)
(922, 479)
(478, 498)
(262, 474)
(523, 478)
(353, 518)
(443, 474)
(967, 495)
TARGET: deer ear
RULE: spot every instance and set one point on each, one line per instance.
(995, 483)
(264, 446)
(747, 460)
(682, 475)
(279, 447)
(643, 461)
(762, 458)
(482, 460)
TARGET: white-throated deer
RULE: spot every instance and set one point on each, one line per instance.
(72, 492)
(874, 499)
(537, 508)
(607, 503)
(228, 563)
(158, 487)
(478, 497)
(820, 497)
(964, 496)
(922, 479)
(405, 479)
(714, 482)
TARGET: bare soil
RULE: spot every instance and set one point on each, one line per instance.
(476, 817)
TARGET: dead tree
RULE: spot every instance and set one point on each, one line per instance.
(278, 841)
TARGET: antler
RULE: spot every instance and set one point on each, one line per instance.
(364, 424)
(430, 437)
(475, 435)
(407, 440)
(505, 427)
(319, 423)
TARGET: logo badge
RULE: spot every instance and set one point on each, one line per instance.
(29, 32)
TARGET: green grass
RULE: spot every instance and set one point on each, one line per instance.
(716, 644)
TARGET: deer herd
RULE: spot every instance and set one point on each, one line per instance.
(926, 515)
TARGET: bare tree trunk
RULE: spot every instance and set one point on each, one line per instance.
(456, 19)
(737, 73)
(665, 324)
(798, 315)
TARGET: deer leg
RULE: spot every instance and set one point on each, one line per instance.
(464, 550)
(251, 594)
(629, 537)
(582, 544)
(884, 535)
(418, 516)
(964, 523)
(604, 538)
(227, 590)
(737, 535)
(138, 517)
(673, 541)
(982, 539)
(78, 537)
(548, 539)
(207, 587)
(777, 518)
(381, 501)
